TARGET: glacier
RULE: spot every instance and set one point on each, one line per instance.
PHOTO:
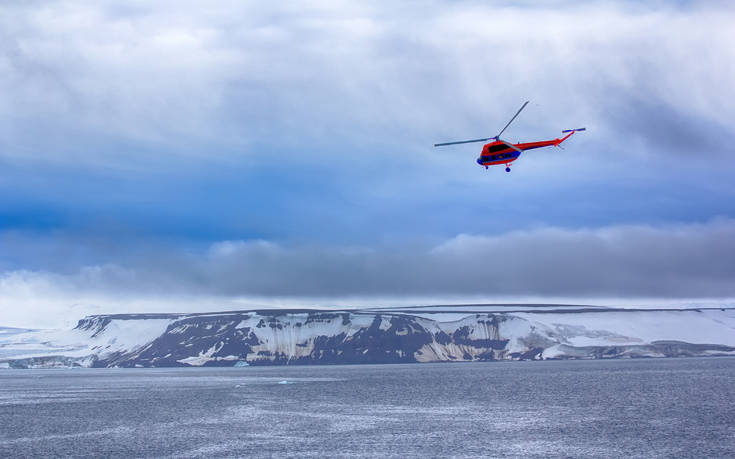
(388, 335)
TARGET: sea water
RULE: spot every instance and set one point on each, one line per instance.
(616, 408)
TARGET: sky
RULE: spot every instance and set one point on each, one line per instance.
(195, 156)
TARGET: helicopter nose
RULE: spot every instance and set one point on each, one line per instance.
(479, 161)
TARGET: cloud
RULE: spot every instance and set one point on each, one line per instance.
(244, 150)
(258, 119)
(87, 81)
(680, 261)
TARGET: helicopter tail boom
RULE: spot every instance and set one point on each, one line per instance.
(570, 132)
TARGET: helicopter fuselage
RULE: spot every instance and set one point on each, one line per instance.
(498, 152)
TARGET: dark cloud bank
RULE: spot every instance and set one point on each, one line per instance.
(685, 261)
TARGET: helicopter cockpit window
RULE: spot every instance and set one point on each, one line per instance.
(498, 147)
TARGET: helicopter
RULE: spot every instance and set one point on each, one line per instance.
(501, 152)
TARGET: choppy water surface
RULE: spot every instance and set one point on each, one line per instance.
(641, 408)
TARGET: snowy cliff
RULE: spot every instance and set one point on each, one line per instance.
(268, 337)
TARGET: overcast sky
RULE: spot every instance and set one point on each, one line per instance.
(159, 156)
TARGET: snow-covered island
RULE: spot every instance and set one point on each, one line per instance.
(389, 335)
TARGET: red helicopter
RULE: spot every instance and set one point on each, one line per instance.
(502, 152)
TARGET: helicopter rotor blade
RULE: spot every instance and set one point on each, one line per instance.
(462, 141)
(497, 137)
(511, 120)
(508, 144)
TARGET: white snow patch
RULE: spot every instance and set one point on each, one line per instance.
(384, 323)
(117, 336)
(640, 327)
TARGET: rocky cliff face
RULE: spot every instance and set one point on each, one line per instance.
(278, 337)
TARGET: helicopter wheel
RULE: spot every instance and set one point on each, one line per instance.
(485, 167)
(507, 169)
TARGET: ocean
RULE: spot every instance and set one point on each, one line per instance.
(643, 408)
